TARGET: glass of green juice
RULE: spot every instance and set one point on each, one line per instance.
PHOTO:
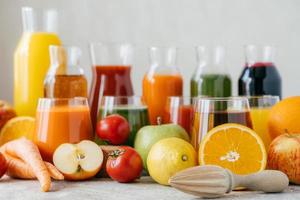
(132, 108)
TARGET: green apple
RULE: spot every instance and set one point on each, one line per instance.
(149, 135)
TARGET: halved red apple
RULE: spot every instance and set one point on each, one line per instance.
(78, 161)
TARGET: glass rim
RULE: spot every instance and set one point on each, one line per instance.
(117, 97)
(222, 99)
(62, 99)
(181, 97)
(132, 100)
(262, 97)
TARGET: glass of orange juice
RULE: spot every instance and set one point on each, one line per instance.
(58, 121)
(260, 107)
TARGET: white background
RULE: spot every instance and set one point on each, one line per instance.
(184, 23)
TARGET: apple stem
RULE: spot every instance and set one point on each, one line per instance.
(80, 156)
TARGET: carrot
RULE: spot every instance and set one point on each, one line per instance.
(18, 169)
(54, 173)
(27, 151)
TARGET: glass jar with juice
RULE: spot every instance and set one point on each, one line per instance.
(180, 110)
(210, 78)
(260, 107)
(111, 73)
(65, 78)
(31, 59)
(260, 76)
(62, 120)
(132, 108)
(161, 81)
(213, 111)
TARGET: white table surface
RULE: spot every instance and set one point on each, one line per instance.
(107, 189)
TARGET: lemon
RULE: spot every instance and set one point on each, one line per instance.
(17, 127)
(169, 156)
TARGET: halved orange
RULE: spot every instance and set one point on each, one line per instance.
(17, 127)
(234, 147)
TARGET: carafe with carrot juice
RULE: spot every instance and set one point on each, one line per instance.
(31, 60)
(65, 78)
(162, 80)
(112, 64)
(61, 120)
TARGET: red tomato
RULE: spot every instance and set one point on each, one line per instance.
(124, 165)
(114, 129)
(3, 165)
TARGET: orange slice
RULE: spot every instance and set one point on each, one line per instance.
(17, 127)
(235, 147)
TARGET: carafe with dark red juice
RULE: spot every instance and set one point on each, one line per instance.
(111, 73)
(260, 76)
(161, 81)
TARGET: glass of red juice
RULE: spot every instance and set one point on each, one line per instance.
(112, 63)
(179, 110)
(214, 111)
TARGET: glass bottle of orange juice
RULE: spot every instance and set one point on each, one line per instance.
(162, 80)
(31, 59)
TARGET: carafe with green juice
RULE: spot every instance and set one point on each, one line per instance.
(210, 78)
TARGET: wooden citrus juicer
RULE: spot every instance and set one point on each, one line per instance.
(210, 181)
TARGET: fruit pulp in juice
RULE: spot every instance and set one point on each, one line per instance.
(260, 79)
(65, 86)
(204, 122)
(183, 116)
(259, 118)
(137, 117)
(156, 90)
(61, 124)
(109, 81)
(31, 63)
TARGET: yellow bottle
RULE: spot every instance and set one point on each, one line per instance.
(32, 60)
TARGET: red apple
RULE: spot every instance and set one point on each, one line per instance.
(3, 165)
(6, 113)
(284, 155)
(114, 129)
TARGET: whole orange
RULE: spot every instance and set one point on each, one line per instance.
(285, 117)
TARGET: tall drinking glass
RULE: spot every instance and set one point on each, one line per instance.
(61, 121)
(260, 107)
(211, 112)
(112, 64)
(131, 107)
(180, 110)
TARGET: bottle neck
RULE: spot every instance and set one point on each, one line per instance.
(30, 19)
(65, 60)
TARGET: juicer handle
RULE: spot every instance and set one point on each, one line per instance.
(266, 181)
